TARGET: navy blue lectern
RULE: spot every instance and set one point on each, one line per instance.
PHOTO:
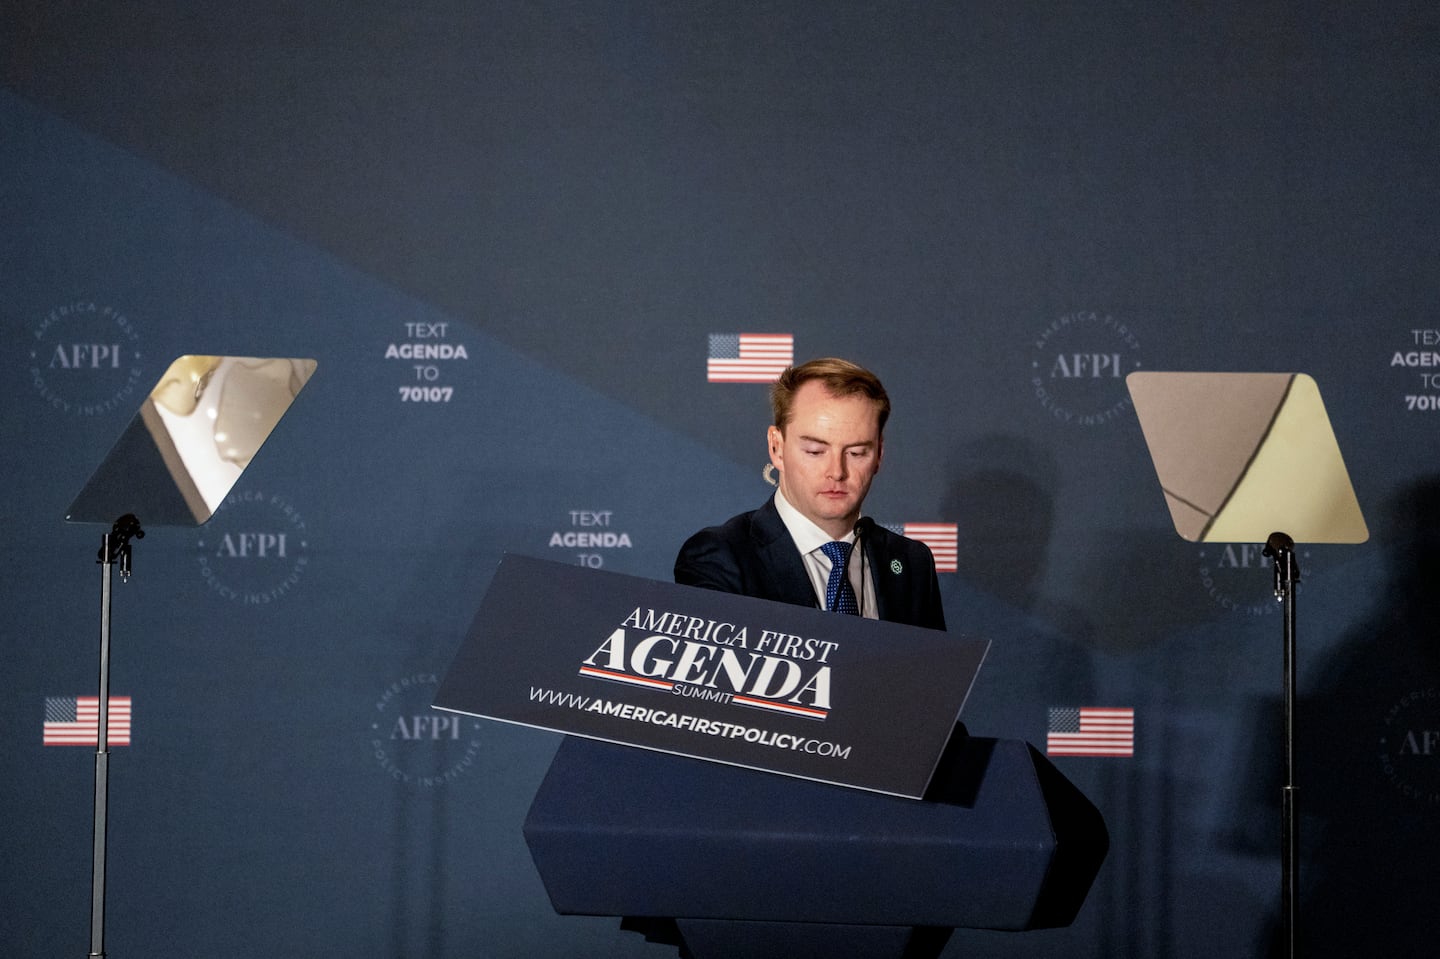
(725, 862)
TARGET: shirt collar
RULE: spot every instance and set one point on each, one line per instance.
(807, 536)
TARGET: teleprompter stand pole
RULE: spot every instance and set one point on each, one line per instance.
(114, 549)
(1281, 548)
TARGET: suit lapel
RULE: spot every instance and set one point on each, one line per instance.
(891, 595)
(780, 559)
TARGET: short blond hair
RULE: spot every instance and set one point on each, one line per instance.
(839, 377)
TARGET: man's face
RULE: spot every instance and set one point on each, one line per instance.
(827, 455)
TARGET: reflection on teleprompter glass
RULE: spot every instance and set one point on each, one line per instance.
(1242, 455)
(194, 434)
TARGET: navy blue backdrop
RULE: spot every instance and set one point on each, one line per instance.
(507, 232)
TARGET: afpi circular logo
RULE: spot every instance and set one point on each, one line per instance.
(1410, 746)
(1078, 366)
(254, 550)
(1240, 578)
(85, 359)
(417, 745)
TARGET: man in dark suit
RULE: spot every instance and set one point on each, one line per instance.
(826, 445)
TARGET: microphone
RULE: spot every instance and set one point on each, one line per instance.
(864, 526)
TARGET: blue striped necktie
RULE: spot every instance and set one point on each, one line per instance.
(839, 595)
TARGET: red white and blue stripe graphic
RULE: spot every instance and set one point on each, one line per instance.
(748, 357)
(789, 709)
(644, 682)
(942, 538)
(1090, 731)
(665, 686)
(75, 721)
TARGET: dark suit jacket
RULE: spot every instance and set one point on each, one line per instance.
(753, 554)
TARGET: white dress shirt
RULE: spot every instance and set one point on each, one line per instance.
(808, 539)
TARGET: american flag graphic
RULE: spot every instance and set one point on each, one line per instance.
(748, 357)
(1090, 731)
(940, 537)
(75, 721)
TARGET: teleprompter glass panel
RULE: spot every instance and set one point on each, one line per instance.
(192, 437)
(1242, 455)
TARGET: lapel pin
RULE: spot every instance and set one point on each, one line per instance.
(896, 566)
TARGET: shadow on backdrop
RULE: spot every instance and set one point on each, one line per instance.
(1368, 782)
